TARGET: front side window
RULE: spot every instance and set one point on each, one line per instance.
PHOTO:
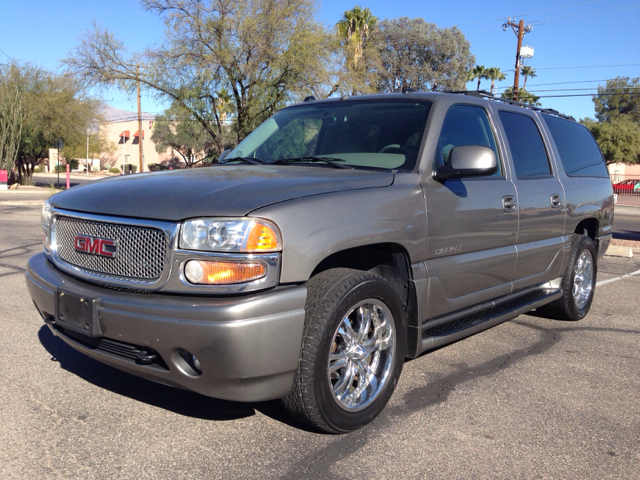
(377, 134)
(529, 155)
(466, 125)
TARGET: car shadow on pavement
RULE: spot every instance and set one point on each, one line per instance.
(182, 402)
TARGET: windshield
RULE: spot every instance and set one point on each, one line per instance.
(383, 133)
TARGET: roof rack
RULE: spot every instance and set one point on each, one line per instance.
(490, 96)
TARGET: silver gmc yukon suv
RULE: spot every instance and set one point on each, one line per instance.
(339, 238)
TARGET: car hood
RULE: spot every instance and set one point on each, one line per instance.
(224, 190)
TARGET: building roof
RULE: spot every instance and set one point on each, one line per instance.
(115, 115)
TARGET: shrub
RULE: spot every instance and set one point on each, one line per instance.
(114, 170)
(156, 167)
(130, 168)
(60, 169)
(73, 164)
(38, 169)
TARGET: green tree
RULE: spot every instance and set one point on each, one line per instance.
(11, 117)
(419, 55)
(619, 96)
(495, 75)
(357, 50)
(265, 53)
(354, 29)
(99, 147)
(523, 96)
(618, 138)
(479, 73)
(527, 72)
(176, 129)
(53, 107)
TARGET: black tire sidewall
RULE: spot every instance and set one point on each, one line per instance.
(336, 417)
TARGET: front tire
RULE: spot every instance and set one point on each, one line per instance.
(578, 282)
(352, 350)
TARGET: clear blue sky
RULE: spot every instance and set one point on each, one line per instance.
(582, 43)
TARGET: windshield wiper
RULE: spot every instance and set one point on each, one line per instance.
(249, 160)
(328, 160)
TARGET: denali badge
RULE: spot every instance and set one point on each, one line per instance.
(95, 245)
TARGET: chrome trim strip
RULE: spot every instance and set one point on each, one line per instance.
(170, 230)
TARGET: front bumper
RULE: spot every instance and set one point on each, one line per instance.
(248, 346)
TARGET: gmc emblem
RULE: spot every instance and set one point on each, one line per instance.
(95, 245)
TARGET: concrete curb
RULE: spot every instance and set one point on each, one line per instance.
(619, 251)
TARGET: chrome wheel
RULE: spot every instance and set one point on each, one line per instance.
(583, 279)
(361, 354)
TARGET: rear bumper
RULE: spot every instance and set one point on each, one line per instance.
(248, 346)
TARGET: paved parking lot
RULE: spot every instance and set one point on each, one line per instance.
(529, 398)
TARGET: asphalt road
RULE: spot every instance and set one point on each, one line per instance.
(529, 398)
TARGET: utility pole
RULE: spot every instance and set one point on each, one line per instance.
(519, 29)
(140, 152)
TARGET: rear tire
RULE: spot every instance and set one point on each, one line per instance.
(578, 282)
(352, 352)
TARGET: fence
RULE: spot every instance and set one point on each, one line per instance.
(626, 188)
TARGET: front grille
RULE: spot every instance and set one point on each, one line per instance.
(141, 251)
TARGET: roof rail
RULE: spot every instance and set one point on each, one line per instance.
(490, 96)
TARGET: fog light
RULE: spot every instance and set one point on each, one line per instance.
(202, 272)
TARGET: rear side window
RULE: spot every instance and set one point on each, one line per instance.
(578, 150)
(527, 148)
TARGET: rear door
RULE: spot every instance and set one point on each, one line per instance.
(540, 197)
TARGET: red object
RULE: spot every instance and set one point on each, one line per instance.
(135, 135)
(625, 186)
(68, 177)
(125, 134)
(3, 176)
(95, 245)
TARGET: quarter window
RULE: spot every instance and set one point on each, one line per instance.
(579, 152)
(527, 148)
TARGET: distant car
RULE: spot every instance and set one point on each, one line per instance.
(627, 186)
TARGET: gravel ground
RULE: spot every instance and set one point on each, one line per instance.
(625, 243)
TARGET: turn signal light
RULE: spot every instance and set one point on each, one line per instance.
(262, 237)
(202, 272)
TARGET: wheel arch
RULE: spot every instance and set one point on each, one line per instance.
(588, 227)
(389, 260)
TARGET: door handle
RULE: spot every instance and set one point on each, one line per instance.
(509, 204)
(556, 201)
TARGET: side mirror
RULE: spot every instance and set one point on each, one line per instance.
(468, 161)
(225, 154)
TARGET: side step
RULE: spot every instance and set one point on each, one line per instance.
(452, 328)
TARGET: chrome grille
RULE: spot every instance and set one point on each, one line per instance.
(141, 251)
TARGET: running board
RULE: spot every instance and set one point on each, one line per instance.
(456, 329)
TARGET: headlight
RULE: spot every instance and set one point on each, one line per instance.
(253, 235)
(45, 219)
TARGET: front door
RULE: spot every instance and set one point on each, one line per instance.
(472, 222)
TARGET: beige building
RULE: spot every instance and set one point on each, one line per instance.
(121, 128)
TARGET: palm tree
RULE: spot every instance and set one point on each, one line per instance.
(527, 72)
(494, 74)
(480, 73)
(354, 28)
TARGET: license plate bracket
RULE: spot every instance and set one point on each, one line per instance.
(77, 312)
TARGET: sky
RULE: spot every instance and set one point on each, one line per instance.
(578, 45)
